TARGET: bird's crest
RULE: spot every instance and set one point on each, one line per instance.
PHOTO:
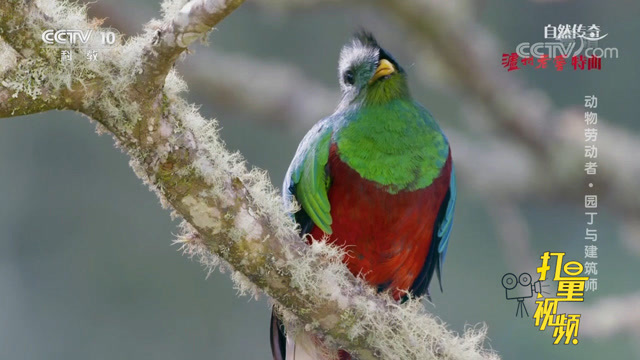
(365, 38)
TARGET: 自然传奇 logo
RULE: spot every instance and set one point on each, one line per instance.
(566, 46)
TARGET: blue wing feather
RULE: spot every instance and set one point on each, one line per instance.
(444, 230)
(439, 242)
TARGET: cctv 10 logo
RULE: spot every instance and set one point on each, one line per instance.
(77, 37)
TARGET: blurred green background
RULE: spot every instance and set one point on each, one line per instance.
(86, 266)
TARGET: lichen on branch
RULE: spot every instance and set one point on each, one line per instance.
(233, 216)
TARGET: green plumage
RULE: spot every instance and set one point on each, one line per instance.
(388, 143)
(311, 173)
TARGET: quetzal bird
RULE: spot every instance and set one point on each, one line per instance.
(377, 177)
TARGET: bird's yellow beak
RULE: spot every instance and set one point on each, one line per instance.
(385, 67)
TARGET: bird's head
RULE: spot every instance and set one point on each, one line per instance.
(368, 74)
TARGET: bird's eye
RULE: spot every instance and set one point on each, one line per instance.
(349, 77)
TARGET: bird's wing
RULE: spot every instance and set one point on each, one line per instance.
(444, 226)
(439, 241)
(307, 179)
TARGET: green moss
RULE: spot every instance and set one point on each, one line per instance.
(185, 183)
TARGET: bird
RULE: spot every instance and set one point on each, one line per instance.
(377, 178)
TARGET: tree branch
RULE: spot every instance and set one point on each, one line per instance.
(228, 211)
(192, 22)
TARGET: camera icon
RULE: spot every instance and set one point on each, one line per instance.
(520, 288)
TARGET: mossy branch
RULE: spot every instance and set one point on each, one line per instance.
(193, 21)
(232, 216)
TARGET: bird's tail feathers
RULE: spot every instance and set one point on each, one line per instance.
(304, 346)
